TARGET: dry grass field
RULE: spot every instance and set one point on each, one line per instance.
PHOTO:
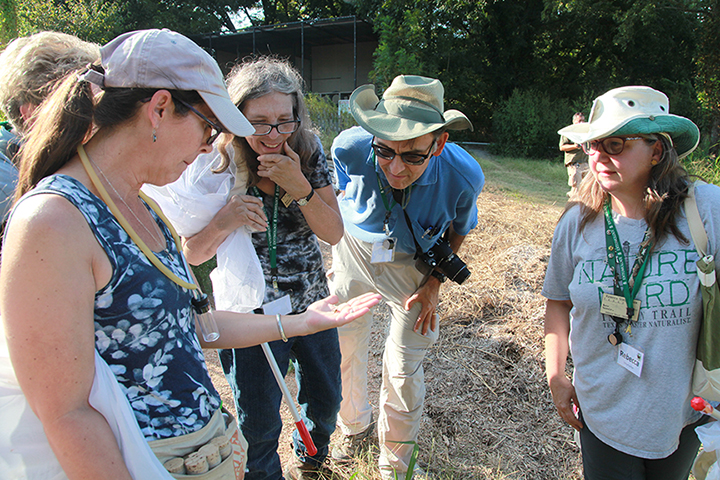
(488, 412)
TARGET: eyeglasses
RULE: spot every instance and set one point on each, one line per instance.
(283, 128)
(414, 159)
(611, 145)
(215, 129)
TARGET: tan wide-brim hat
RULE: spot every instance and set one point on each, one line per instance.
(166, 59)
(635, 110)
(411, 107)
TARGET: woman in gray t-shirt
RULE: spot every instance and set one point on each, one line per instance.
(623, 295)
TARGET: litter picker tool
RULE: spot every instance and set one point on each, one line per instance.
(302, 428)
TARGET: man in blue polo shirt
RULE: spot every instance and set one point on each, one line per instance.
(395, 171)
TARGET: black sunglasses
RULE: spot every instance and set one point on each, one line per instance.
(414, 159)
(216, 129)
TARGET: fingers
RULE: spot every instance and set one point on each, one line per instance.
(355, 307)
(249, 211)
(426, 321)
(563, 395)
(411, 301)
(291, 153)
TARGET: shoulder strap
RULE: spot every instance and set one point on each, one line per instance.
(697, 230)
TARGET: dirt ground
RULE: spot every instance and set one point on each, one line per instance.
(488, 412)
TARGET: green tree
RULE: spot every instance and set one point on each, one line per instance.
(199, 16)
(8, 21)
(91, 20)
(708, 61)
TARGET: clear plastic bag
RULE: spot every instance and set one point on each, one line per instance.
(190, 203)
(706, 463)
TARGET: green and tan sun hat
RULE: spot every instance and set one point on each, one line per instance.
(635, 110)
(411, 107)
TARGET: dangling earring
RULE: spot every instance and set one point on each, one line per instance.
(154, 136)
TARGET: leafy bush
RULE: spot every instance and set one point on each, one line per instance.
(327, 119)
(703, 164)
(526, 124)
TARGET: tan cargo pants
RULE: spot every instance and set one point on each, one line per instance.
(402, 392)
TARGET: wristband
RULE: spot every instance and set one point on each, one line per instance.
(439, 275)
(280, 328)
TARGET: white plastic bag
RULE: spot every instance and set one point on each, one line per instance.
(190, 203)
(706, 463)
(24, 449)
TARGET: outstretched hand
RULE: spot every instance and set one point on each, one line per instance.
(327, 313)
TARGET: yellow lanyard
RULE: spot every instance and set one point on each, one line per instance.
(129, 230)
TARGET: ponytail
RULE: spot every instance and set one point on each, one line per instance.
(65, 119)
(60, 124)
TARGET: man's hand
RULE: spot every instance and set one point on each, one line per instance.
(427, 296)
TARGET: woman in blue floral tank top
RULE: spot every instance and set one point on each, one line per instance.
(82, 274)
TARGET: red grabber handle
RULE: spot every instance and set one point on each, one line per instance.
(306, 438)
(701, 405)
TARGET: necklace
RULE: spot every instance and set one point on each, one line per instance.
(149, 254)
(152, 235)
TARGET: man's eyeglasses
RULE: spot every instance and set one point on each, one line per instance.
(283, 128)
(611, 145)
(215, 129)
(414, 159)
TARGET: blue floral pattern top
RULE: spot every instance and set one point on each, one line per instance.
(144, 327)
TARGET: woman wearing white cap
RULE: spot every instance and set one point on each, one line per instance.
(91, 271)
(623, 293)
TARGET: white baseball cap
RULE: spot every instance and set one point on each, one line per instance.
(167, 59)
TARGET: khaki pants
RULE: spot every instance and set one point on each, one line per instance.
(576, 172)
(402, 392)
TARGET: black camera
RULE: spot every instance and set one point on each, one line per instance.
(442, 258)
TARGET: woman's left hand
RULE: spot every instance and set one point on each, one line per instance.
(327, 313)
(285, 171)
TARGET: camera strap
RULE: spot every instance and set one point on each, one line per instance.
(399, 196)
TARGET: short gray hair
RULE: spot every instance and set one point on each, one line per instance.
(31, 66)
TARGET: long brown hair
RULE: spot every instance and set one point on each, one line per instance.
(255, 79)
(65, 118)
(664, 195)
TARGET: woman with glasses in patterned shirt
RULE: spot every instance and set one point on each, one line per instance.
(283, 193)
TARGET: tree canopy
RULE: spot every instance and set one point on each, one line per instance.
(564, 52)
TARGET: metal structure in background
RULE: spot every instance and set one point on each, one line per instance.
(294, 40)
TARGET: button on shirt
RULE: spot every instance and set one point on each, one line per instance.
(445, 193)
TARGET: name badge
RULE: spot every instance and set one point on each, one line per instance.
(383, 251)
(630, 358)
(282, 306)
(616, 306)
(286, 199)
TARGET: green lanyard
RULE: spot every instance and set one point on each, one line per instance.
(389, 203)
(272, 233)
(616, 256)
